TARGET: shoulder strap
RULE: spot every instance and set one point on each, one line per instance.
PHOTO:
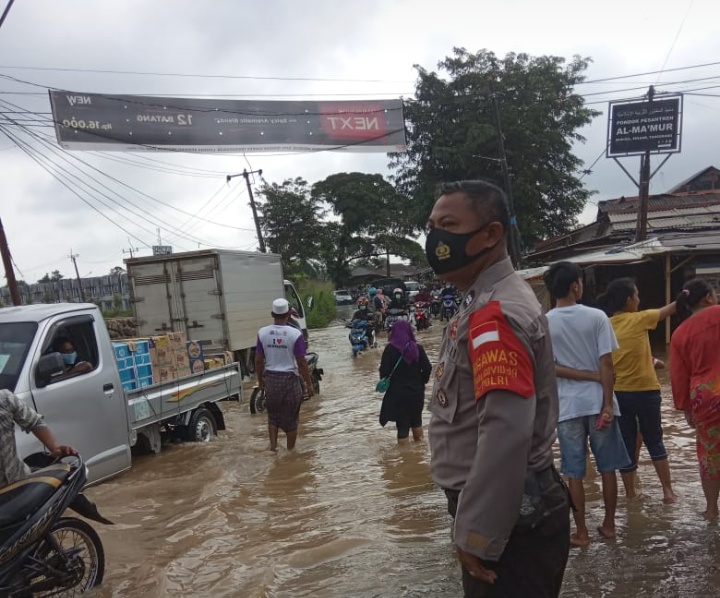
(397, 363)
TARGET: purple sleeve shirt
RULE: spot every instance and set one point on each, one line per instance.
(259, 346)
(300, 348)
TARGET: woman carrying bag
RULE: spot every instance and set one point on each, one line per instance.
(406, 366)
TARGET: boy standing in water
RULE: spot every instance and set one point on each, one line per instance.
(583, 342)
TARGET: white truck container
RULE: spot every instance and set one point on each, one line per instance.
(217, 297)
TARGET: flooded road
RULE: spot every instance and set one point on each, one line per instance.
(351, 514)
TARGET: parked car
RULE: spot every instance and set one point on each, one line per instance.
(413, 288)
(343, 297)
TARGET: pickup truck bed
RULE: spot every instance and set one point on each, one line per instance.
(159, 402)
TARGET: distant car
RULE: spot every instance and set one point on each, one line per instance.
(343, 297)
(389, 284)
(413, 288)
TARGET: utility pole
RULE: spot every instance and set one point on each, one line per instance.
(73, 257)
(9, 272)
(131, 251)
(644, 188)
(514, 233)
(246, 175)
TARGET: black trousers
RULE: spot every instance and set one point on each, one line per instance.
(533, 562)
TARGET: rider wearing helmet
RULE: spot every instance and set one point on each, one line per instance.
(398, 300)
(363, 310)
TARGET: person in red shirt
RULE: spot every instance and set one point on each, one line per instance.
(695, 379)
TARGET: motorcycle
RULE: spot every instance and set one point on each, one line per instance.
(435, 306)
(359, 339)
(42, 552)
(393, 315)
(257, 398)
(422, 316)
(449, 306)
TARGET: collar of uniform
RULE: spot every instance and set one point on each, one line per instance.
(494, 274)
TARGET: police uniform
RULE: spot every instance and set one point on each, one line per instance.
(494, 414)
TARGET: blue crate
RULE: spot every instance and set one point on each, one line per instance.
(128, 375)
(143, 382)
(141, 347)
(125, 363)
(143, 371)
(122, 350)
(142, 359)
(129, 385)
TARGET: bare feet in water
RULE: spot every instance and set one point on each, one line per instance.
(606, 532)
(710, 515)
(579, 540)
(669, 497)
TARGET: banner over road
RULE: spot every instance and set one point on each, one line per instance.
(146, 123)
(636, 127)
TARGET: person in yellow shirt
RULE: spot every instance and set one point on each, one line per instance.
(636, 384)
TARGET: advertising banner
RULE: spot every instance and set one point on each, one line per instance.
(146, 123)
(636, 127)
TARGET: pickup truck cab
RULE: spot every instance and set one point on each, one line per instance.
(90, 410)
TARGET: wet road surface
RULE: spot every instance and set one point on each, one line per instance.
(349, 513)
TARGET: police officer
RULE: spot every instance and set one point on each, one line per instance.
(495, 407)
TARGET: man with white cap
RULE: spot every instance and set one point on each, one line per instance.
(279, 363)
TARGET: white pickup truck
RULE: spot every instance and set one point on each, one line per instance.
(91, 411)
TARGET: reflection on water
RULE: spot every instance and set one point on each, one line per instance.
(350, 513)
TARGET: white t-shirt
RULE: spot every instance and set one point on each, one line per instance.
(281, 345)
(580, 336)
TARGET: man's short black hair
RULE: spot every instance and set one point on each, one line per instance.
(60, 341)
(487, 200)
(560, 277)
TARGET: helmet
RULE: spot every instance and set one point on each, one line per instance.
(372, 291)
(396, 291)
(379, 291)
(362, 301)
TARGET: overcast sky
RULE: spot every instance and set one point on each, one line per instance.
(312, 39)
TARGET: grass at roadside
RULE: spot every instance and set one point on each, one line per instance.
(322, 309)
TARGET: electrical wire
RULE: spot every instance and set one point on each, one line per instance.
(174, 231)
(677, 35)
(222, 224)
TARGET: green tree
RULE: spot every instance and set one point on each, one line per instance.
(117, 270)
(372, 219)
(54, 276)
(451, 135)
(291, 221)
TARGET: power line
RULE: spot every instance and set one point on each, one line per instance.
(222, 224)
(677, 35)
(202, 76)
(6, 12)
(679, 68)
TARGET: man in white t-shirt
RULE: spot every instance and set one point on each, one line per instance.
(583, 342)
(279, 363)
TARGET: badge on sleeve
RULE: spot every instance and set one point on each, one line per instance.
(499, 359)
(453, 328)
(442, 398)
(440, 370)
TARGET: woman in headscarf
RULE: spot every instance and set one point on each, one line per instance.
(409, 368)
(695, 377)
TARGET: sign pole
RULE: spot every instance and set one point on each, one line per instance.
(644, 187)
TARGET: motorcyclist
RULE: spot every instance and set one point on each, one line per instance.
(363, 313)
(398, 300)
(379, 301)
(423, 296)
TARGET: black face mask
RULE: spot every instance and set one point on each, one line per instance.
(445, 251)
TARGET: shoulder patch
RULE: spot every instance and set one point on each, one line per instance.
(499, 359)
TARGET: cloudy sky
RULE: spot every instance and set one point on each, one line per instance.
(257, 49)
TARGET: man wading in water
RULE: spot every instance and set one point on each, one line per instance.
(279, 362)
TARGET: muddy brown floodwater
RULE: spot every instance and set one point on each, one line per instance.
(351, 514)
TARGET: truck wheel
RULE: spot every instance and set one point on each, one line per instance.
(201, 427)
(257, 401)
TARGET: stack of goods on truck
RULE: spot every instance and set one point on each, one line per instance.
(161, 358)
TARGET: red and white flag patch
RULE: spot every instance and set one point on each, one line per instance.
(486, 332)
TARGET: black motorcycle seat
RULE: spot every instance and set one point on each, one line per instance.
(20, 499)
